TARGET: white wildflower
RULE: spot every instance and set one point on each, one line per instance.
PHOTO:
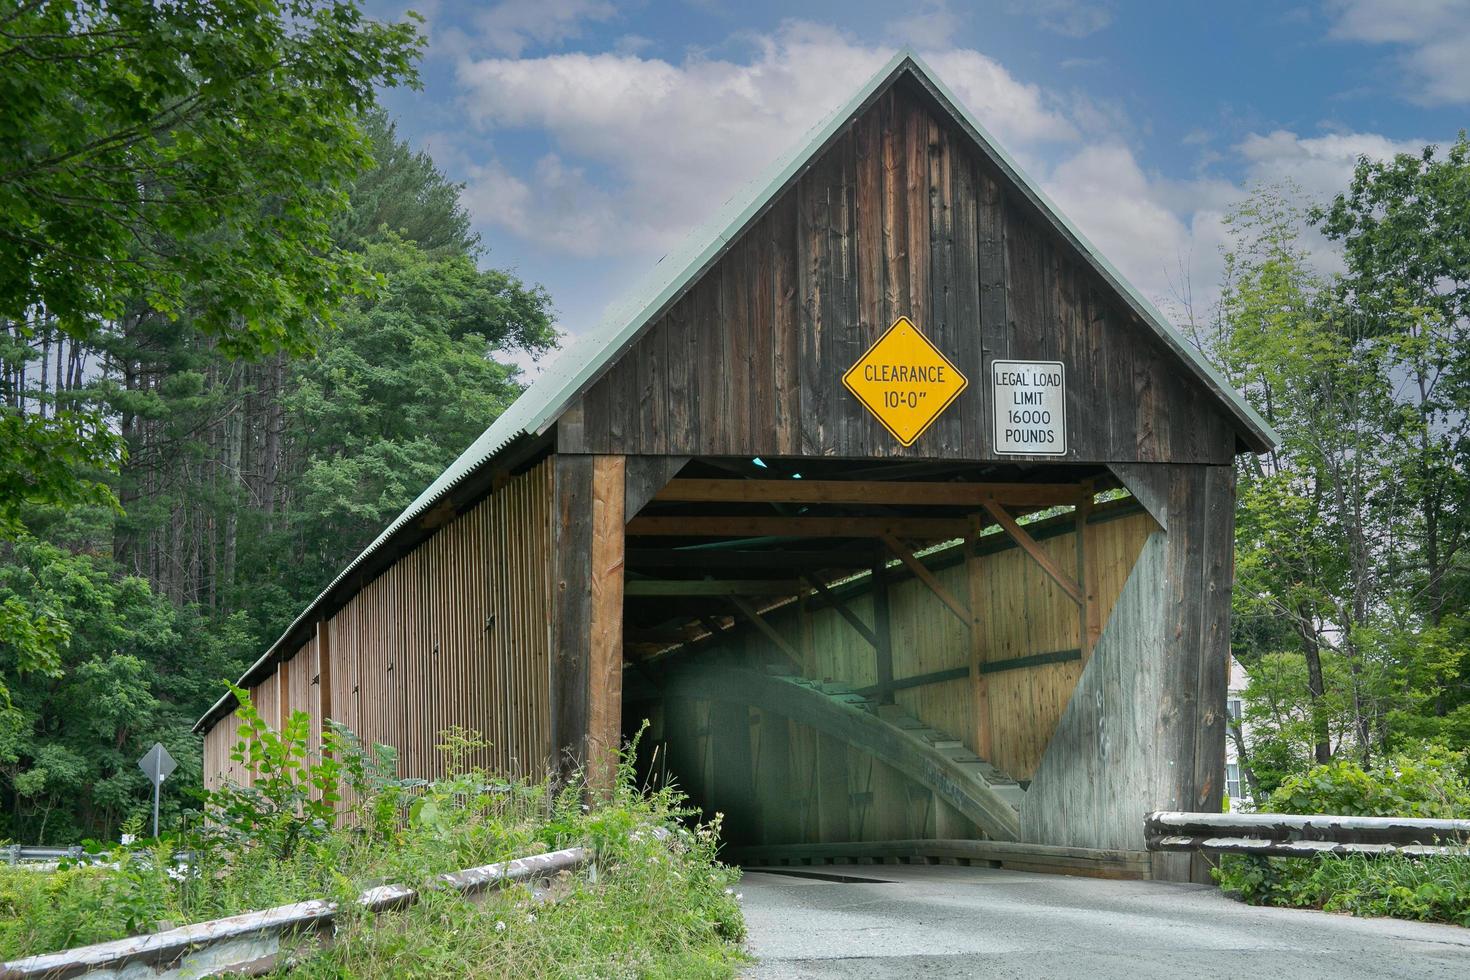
(499, 926)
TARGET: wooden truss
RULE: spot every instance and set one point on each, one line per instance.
(748, 599)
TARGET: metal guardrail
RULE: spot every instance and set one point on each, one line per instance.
(250, 944)
(1303, 835)
(20, 853)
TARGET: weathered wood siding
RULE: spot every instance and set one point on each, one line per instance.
(901, 215)
(456, 633)
(1147, 727)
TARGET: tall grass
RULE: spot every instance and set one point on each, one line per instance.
(655, 903)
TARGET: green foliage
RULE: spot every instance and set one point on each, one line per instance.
(658, 903)
(175, 159)
(288, 798)
(141, 178)
(125, 673)
(1430, 782)
(246, 485)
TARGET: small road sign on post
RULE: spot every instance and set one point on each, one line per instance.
(156, 765)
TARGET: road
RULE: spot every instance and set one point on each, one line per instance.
(942, 921)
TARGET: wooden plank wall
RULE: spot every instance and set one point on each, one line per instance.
(1147, 729)
(901, 215)
(810, 788)
(1023, 613)
(456, 633)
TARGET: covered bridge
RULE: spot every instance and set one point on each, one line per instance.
(891, 506)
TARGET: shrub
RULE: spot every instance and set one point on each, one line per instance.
(1431, 783)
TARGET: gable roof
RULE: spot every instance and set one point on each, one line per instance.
(538, 408)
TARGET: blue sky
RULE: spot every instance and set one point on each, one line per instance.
(593, 135)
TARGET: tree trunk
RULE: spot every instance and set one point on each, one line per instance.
(1312, 651)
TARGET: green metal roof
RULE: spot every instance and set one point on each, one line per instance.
(543, 402)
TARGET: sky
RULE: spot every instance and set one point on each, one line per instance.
(592, 136)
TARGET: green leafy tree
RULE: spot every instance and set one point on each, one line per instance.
(174, 158)
(129, 670)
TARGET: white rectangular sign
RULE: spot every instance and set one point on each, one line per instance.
(1029, 399)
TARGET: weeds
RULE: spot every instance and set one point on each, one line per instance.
(1428, 783)
(656, 903)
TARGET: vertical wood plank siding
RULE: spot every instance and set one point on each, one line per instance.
(455, 634)
(900, 215)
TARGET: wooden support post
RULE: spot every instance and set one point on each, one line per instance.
(1089, 625)
(587, 615)
(605, 673)
(922, 573)
(752, 614)
(979, 683)
(1037, 553)
(883, 633)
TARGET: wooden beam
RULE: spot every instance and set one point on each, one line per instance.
(836, 603)
(752, 614)
(711, 561)
(928, 529)
(922, 573)
(979, 683)
(883, 630)
(605, 670)
(1089, 617)
(1030, 660)
(643, 588)
(867, 492)
(920, 680)
(1037, 553)
(666, 635)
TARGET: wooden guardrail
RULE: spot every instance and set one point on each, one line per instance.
(1303, 835)
(250, 944)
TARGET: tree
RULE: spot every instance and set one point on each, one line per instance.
(1403, 225)
(130, 669)
(164, 158)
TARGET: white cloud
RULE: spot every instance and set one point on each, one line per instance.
(1071, 18)
(1321, 165)
(509, 27)
(1435, 36)
(639, 150)
(667, 141)
(932, 25)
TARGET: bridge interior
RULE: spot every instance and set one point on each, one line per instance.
(831, 652)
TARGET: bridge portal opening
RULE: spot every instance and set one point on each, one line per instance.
(828, 652)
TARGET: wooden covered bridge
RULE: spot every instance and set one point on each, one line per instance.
(889, 504)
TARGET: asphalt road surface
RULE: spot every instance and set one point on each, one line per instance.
(941, 921)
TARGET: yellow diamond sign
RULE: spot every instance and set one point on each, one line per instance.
(904, 381)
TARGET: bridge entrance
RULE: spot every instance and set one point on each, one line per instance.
(827, 653)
